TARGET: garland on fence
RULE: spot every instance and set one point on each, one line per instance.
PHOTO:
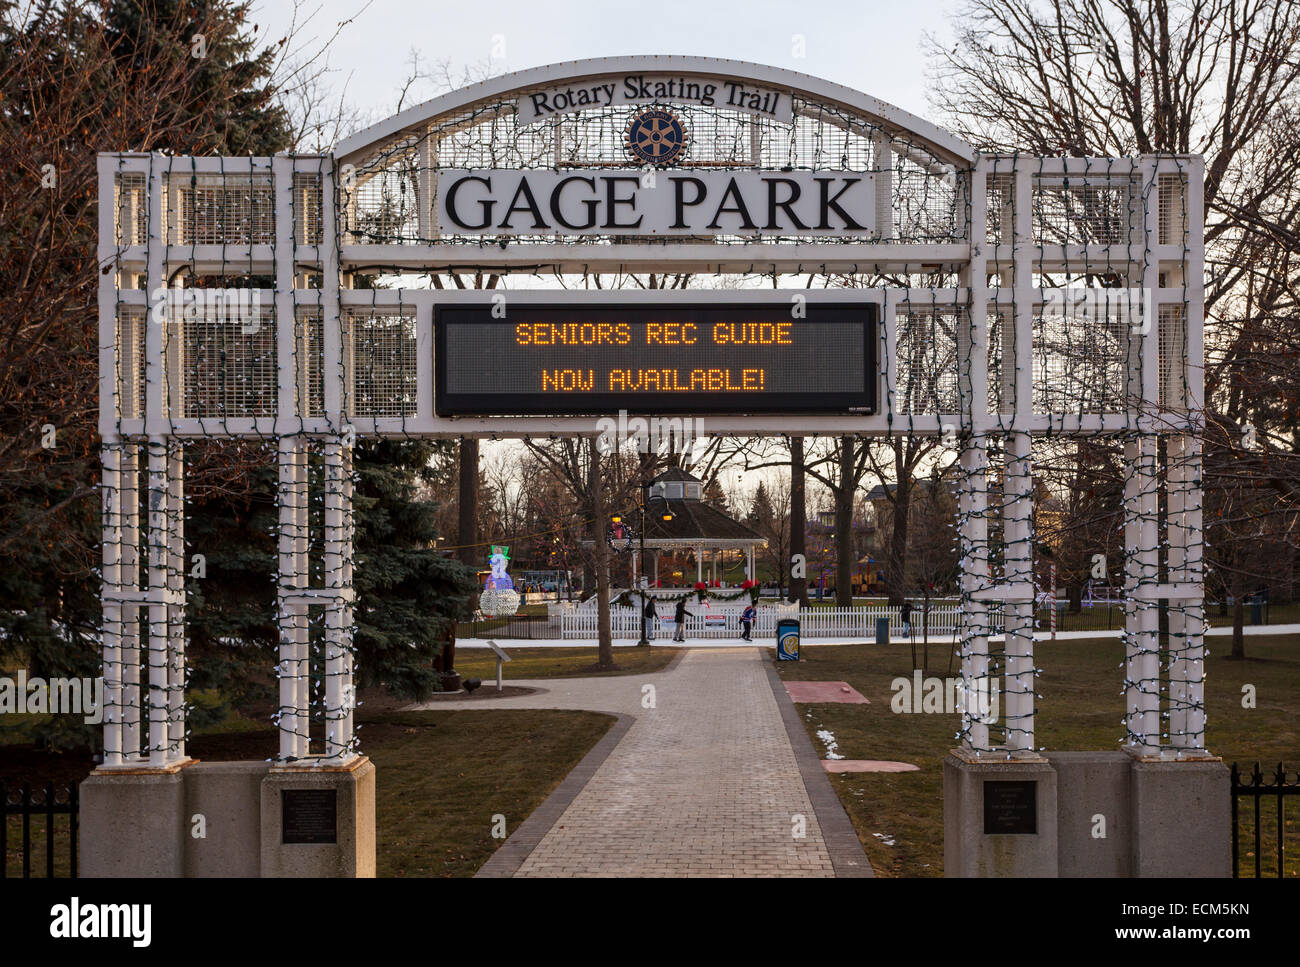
(750, 589)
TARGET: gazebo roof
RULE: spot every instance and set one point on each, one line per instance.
(694, 523)
(675, 473)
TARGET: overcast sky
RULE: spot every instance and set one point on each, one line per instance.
(871, 45)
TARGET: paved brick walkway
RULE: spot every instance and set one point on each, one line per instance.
(704, 784)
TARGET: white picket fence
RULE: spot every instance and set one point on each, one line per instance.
(857, 622)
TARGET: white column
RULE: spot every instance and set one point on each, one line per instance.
(131, 695)
(111, 503)
(292, 669)
(337, 582)
(1017, 528)
(972, 535)
(347, 711)
(1017, 497)
(1191, 575)
(1141, 616)
(176, 606)
(1176, 551)
(159, 683)
(973, 538)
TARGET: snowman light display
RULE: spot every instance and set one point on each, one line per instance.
(499, 597)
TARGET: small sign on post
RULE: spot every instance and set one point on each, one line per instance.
(501, 657)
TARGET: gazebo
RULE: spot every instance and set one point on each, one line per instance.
(695, 525)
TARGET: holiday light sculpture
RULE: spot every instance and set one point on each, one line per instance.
(499, 598)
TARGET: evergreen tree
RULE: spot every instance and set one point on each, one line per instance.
(760, 509)
(409, 596)
(76, 79)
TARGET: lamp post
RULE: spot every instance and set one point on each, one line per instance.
(645, 581)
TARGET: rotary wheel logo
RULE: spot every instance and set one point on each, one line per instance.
(656, 137)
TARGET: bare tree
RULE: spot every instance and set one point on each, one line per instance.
(1219, 78)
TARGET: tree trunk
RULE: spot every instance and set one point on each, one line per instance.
(600, 549)
(467, 506)
(798, 520)
(844, 526)
(466, 537)
(1238, 629)
(896, 559)
(925, 630)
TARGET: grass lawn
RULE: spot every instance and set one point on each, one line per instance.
(559, 662)
(1081, 709)
(442, 776)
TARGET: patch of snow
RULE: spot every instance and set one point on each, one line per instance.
(887, 840)
(828, 739)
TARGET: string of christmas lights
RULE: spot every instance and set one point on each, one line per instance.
(1081, 281)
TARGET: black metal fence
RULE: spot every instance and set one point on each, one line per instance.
(515, 626)
(40, 807)
(1265, 817)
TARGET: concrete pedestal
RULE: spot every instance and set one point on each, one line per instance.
(1091, 785)
(223, 801)
(1160, 816)
(132, 823)
(971, 847)
(352, 793)
(222, 819)
(1182, 818)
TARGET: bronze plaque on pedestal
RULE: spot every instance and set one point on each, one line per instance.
(1010, 807)
(309, 816)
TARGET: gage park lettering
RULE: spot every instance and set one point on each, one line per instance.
(618, 202)
(680, 358)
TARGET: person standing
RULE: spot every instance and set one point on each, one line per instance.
(747, 621)
(680, 614)
(905, 615)
(650, 616)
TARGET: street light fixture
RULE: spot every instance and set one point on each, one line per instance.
(667, 515)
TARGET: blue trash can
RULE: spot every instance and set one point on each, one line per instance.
(787, 639)
(882, 631)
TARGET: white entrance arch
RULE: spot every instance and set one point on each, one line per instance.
(1070, 303)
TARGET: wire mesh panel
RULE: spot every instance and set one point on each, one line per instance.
(225, 209)
(1001, 359)
(1173, 208)
(309, 361)
(1087, 210)
(226, 357)
(307, 208)
(1173, 356)
(1000, 207)
(380, 346)
(131, 321)
(1081, 351)
(927, 358)
(131, 207)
